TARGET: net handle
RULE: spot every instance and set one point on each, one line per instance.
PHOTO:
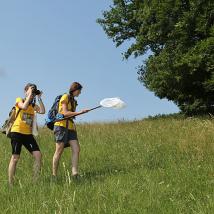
(66, 118)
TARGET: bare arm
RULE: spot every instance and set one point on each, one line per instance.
(24, 105)
(67, 113)
(41, 107)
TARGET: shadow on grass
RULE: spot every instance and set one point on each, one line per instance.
(95, 175)
(103, 173)
(98, 175)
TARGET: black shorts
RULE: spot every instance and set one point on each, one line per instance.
(18, 139)
(60, 135)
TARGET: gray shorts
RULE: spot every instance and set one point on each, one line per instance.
(60, 135)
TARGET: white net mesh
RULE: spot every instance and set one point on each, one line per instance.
(115, 102)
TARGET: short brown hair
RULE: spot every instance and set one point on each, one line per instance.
(75, 86)
(30, 85)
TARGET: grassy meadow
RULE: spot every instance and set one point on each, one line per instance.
(157, 165)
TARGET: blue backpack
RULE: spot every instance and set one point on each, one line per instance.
(53, 114)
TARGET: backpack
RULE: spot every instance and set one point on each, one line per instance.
(53, 113)
(6, 128)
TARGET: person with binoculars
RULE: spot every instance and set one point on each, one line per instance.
(21, 131)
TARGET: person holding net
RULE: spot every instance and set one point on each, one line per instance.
(60, 120)
(65, 131)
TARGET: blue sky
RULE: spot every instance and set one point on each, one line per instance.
(53, 43)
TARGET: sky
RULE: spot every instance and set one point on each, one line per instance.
(53, 43)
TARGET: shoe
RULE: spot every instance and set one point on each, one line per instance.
(76, 177)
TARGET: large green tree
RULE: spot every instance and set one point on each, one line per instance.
(179, 34)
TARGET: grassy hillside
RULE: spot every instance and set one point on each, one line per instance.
(162, 165)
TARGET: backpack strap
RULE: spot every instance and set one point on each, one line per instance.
(17, 114)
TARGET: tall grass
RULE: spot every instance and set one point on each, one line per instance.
(163, 165)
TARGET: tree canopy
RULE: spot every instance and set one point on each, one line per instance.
(180, 37)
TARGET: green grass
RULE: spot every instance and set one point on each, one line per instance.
(162, 165)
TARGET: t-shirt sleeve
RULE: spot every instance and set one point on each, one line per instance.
(64, 99)
(19, 99)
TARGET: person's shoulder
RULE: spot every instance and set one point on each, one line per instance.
(64, 97)
(19, 99)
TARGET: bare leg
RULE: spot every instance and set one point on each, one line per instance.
(12, 168)
(37, 164)
(75, 156)
(57, 155)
